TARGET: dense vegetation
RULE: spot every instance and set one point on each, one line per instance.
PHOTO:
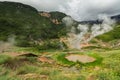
(26, 24)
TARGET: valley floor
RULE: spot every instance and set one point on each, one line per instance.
(31, 64)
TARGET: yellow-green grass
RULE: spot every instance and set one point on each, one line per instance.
(107, 69)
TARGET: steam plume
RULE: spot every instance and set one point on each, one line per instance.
(4, 46)
(86, 32)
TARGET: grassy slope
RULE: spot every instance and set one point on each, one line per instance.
(112, 35)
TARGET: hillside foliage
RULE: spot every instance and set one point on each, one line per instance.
(26, 24)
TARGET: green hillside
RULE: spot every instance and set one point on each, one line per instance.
(112, 35)
(26, 24)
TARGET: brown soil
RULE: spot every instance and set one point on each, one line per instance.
(45, 60)
(16, 54)
(91, 77)
(80, 58)
(34, 76)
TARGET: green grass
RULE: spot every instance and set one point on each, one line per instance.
(98, 58)
(7, 74)
(27, 69)
(4, 59)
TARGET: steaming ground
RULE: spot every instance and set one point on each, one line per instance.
(6, 45)
(86, 32)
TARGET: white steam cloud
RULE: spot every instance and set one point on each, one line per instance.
(4, 46)
(106, 26)
(88, 32)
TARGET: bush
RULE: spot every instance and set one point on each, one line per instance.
(50, 44)
(23, 43)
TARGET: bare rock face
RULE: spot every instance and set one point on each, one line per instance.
(45, 14)
(80, 58)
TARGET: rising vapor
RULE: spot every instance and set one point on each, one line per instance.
(87, 33)
(6, 45)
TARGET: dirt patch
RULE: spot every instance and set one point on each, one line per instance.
(19, 59)
(16, 54)
(45, 60)
(80, 58)
(15, 63)
(91, 77)
(34, 76)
